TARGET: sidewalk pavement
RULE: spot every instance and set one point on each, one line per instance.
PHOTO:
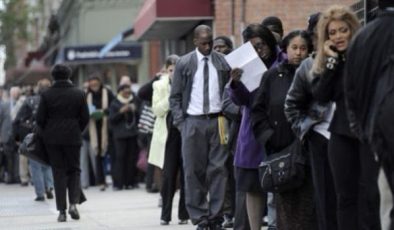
(127, 209)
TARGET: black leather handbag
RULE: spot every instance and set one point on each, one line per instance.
(33, 148)
(285, 170)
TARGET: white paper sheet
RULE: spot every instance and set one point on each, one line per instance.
(246, 58)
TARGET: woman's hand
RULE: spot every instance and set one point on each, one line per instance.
(127, 108)
(236, 74)
(328, 51)
(132, 107)
(124, 109)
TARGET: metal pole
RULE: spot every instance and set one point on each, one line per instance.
(365, 11)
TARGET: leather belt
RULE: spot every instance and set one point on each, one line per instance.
(205, 116)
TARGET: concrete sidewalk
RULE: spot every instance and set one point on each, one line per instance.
(127, 209)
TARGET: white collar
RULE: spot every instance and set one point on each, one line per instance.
(200, 56)
(390, 8)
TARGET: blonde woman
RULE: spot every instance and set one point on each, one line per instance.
(353, 167)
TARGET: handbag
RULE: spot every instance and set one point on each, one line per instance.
(142, 163)
(285, 170)
(33, 148)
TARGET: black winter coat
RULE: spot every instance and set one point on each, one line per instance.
(62, 114)
(270, 125)
(124, 125)
(369, 58)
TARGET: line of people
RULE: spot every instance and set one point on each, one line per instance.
(301, 96)
(207, 134)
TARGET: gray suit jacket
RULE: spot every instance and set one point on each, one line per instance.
(5, 122)
(185, 70)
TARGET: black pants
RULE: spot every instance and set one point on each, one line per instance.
(11, 163)
(126, 162)
(355, 174)
(322, 182)
(173, 164)
(100, 177)
(66, 173)
(112, 155)
(385, 128)
(229, 200)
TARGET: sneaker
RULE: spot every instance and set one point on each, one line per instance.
(228, 222)
(40, 198)
(49, 193)
(265, 221)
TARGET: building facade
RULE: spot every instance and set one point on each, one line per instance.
(86, 27)
(159, 24)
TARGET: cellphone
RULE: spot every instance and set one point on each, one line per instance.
(333, 48)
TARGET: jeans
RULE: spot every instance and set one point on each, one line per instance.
(41, 176)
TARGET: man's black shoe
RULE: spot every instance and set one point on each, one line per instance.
(73, 211)
(62, 216)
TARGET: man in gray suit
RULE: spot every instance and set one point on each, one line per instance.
(196, 101)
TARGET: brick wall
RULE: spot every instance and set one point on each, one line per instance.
(293, 13)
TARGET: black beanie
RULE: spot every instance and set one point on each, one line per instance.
(312, 22)
(226, 40)
(123, 86)
(61, 72)
(385, 3)
(274, 22)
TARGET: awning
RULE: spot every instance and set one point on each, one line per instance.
(37, 70)
(170, 19)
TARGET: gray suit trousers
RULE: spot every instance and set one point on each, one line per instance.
(205, 171)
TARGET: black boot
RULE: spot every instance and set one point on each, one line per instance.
(73, 212)
(62, 216)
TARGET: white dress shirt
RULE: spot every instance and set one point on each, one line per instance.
(197, 94)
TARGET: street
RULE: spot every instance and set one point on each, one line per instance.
(127, 209)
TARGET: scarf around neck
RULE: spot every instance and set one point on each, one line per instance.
(101, 150)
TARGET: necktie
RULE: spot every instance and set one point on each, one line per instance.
(206, 87)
